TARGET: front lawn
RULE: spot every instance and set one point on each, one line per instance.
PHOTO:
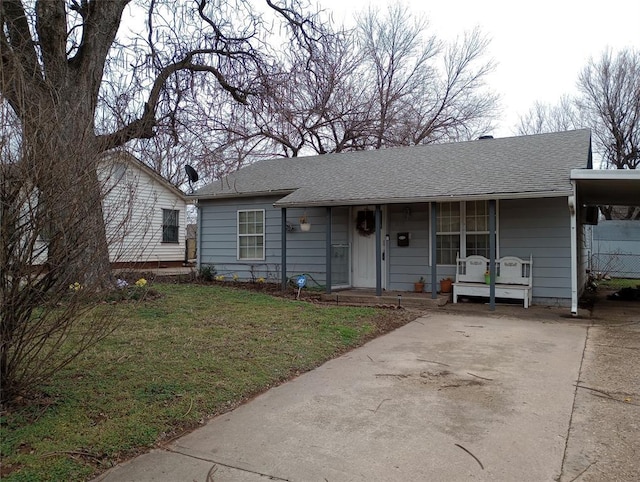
(172, 363)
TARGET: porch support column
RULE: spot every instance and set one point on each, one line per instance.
(574, 252)
(434, 252)
(283, 244)
(328, 252)
(378, 250)
(492, 254)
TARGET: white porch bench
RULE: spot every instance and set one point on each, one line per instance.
(513, 278)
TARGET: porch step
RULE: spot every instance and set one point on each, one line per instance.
(388, 298)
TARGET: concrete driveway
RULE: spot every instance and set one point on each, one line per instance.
(447, 397)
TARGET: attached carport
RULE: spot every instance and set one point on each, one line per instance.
(592, 188)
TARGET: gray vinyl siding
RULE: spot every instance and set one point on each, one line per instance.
(305, 250)
(537, 227)
(541, 228)
(408, 263)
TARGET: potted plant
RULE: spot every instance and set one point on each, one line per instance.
(446, 284)
(305, 225)
(418, 286)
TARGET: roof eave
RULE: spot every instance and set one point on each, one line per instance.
(621, 174)
(137, 163)
(210, 197)
(424, 199)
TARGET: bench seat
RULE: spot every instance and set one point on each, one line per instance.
(513, 280)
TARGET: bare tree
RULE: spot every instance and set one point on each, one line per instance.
(315, 104)
(38, 333)
(543, 118)
(608, 102)
(385, 83)
(425, 91)
(76, 81)
(80, 81)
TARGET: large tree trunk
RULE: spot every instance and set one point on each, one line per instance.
(55, 97)
(69, 190)
(72, 203)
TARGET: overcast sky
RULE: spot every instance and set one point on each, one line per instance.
(540, 47)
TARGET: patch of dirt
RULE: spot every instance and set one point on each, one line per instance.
(6, 469)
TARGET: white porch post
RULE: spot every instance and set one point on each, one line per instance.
(574, 251)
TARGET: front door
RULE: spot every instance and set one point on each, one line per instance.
(364, 247)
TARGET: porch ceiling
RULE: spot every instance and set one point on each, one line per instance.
(615, 186)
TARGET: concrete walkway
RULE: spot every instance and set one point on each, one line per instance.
(447, 397)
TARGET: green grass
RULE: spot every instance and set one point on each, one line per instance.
(173, 362)
(618, 283)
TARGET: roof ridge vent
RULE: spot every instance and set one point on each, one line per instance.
(485, 137)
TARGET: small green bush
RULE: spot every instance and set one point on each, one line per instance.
(207, 273)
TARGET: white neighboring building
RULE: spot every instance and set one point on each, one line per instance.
(145, 215)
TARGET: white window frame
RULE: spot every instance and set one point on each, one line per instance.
(463, 231)
(239, 236)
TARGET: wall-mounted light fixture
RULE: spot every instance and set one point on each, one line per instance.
(305, 225)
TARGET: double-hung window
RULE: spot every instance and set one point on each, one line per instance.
(476, 228)
(462, 227)
(251, 234)
(448, 232)
(170, 226)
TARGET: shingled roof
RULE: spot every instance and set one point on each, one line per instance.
(526, 166)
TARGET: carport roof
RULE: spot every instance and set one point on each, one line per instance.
(620, 187)
(526, 166)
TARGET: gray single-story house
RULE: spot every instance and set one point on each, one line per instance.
(382, 219)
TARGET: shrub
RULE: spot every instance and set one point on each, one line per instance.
(207, 273)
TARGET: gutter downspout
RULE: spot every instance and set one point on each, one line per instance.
(574, 250)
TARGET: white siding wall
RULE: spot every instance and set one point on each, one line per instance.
(133, 218)
(132, 211)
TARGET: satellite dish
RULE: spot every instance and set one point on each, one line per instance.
(191, 174)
